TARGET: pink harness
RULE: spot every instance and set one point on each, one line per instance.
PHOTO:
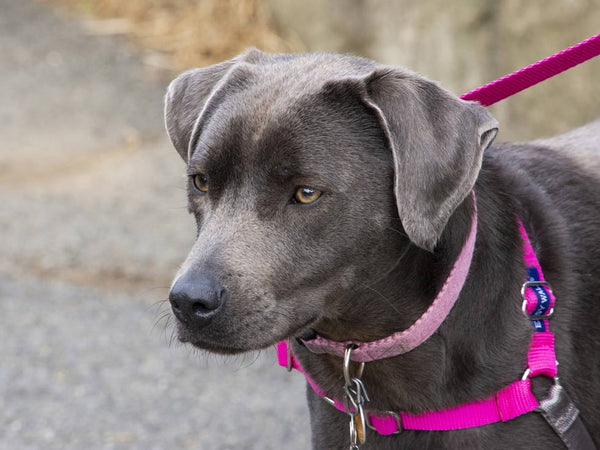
(508, 403)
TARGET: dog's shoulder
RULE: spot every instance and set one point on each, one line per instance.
(581, 146)
(574, 155)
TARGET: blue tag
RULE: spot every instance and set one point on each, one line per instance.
(538, 325)
(533, 274)
(543, 299)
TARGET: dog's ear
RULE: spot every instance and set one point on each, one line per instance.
(185, 99)
(188, 95)
(437, 142)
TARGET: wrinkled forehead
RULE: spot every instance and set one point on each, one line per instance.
(268, 129)
(242, 134)
(276, 105)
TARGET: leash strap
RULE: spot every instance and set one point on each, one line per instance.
(564, 418)
(558, 410)
(528, 76)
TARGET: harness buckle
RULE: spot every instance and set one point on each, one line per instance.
(530, 284)
(396, 416)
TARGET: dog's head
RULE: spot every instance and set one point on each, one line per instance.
(309, 175)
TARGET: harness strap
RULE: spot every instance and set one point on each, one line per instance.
(510, 402)
(541, 358)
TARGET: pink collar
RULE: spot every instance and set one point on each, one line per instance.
(510, 402)
(405, 341)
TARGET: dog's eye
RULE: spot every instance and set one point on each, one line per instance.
(306, 195)
(200, 182)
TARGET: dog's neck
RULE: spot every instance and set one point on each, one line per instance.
(476, 350)
(405, 286)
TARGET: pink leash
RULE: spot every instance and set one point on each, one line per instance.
(528, 76)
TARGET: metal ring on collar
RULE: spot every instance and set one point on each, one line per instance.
(361, 367)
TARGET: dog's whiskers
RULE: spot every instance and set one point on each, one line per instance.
(163, 317)
(256, 354)
(172, 337)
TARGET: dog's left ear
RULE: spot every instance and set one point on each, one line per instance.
(437, 142)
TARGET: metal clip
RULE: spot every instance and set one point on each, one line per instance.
(357, 429)
(355, 396)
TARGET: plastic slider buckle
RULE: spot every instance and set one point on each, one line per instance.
(396, 416)
(530, 284)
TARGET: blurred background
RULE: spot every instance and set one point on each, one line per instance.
(92, 203)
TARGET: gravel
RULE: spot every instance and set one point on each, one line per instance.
(86, 368)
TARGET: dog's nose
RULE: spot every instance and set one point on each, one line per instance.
(195, 298)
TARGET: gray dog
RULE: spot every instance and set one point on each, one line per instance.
(333, 197)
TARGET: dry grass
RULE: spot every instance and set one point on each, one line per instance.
(190, 33)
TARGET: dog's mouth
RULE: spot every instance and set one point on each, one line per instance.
(235, 343)
(216, 347)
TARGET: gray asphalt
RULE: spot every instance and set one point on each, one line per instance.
(92, 227)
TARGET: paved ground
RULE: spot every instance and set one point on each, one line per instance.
(92, 226)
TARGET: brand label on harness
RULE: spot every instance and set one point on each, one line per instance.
(543, 298)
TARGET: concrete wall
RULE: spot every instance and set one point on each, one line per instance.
(463, 44)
